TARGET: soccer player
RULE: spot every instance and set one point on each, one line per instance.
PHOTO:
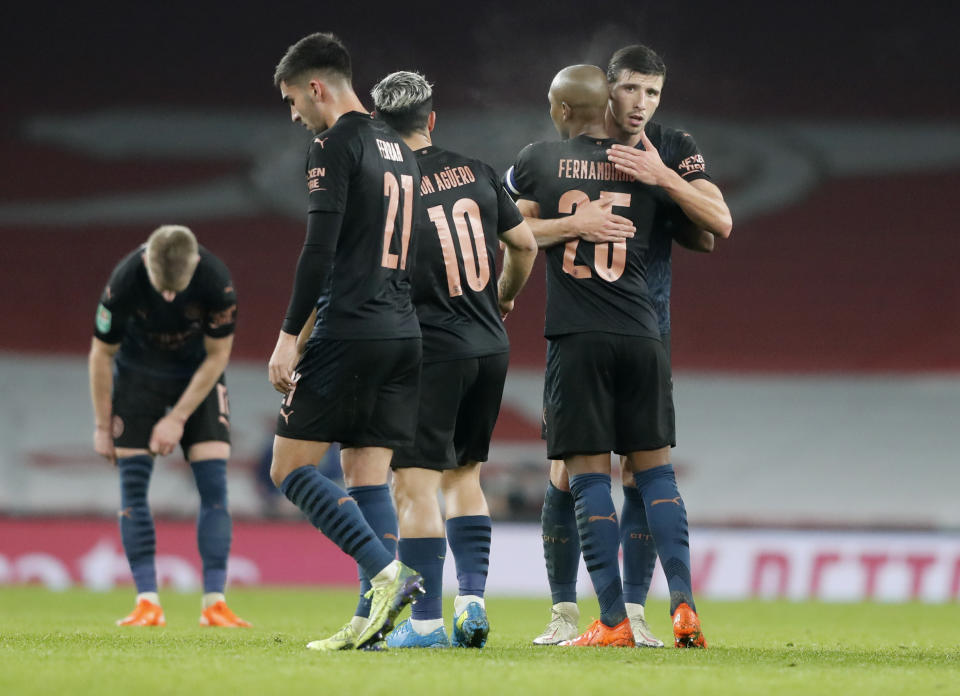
(359, 374)
(680, 153)
(161, 341)
(602, 330)
(461, 307)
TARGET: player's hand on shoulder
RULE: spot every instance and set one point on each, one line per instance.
(643, 165)
(166, 434)
(596, 222)
(103, 444)
(282, 362)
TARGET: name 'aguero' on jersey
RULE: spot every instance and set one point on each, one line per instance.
(455, 285)
(590, 287)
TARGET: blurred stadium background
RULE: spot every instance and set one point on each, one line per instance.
(816, 353)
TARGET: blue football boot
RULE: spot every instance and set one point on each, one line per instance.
(470, 627)
(403, 636)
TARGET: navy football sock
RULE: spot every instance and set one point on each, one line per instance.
(600, 539)
(667, 518)
(426, 555)
(136, 522)
(333, 512)
(561, 543)
(376, 506)
(639, 551)
(469, 538)
(214, 527)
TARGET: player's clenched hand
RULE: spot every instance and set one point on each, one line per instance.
(595, 222)
(166, 434)
(643, 165)
(103, 444)
(506, 306)
(282, 362)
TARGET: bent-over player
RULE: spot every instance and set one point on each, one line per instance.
(161, 342)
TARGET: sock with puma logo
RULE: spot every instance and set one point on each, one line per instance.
(600, 541)
(667, 518)
(336, 514)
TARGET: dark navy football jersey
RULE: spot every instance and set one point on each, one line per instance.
(159, 338)
(679, 151)
(455, 282)
(590, 287)
(362, 169)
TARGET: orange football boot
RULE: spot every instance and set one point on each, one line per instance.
(686, 628)
(146, 613)
(219, 614)
(602, 636)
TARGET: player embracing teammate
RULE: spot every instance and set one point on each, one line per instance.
(608, 386)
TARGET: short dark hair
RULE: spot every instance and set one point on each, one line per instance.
(404, 100)
(320, 51)
(637, 58)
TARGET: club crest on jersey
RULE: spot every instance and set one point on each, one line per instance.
(104, 319)
(390, 151)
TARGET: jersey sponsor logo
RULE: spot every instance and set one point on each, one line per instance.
(390, 151)
(313, 179)
(321, 141)
(452, 177)
(675, 501)
(388, 535)
(693, 163)
(612, 517)
(286, 415)
(344, 499)
(590, 170)
(104, 319)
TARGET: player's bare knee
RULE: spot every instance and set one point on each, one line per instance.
(647, 459)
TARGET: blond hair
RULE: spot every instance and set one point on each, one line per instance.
(172, 255)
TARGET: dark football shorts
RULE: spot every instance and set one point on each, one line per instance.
(360, 393)
(459, 405)
(607, 393)
(139, 401)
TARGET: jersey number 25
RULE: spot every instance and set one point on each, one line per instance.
(609, 266)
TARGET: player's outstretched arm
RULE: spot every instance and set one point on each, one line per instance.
(700, 200)
(168, 430)
(101, 387)
(518, 259)
(592, 222)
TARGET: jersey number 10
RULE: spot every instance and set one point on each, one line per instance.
(466, 220)
(609, 266)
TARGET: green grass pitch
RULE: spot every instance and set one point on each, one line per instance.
(66, 643)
